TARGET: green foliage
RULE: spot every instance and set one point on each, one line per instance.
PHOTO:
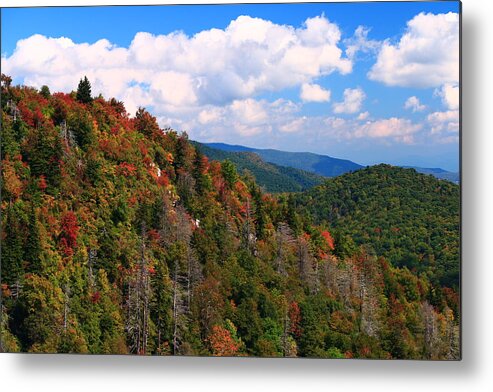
(84, 91)
(271, 177)
(45, 91)
(120, 237)
(305, 162)
(412, 219)
(228, 170)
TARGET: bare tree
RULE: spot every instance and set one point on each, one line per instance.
(138, 299)
(284, 241)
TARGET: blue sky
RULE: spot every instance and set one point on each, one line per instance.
(370, 82)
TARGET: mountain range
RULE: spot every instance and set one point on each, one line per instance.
(321, 165)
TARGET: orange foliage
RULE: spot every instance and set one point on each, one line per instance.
(42, 183)
(163, 179)
(328, 239)
(70, 230)
(11, 181)
(126, 169)
(221, 342)
(295, 318)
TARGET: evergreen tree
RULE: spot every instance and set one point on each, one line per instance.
(45, 91)
(33, 246)
(84, 91)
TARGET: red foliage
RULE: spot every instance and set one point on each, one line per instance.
(294, 314)
(153, 235)
(70, 230)
(26, 114)
(204, 165)
(328, 239)
(451, 296)
(42, 184)
(143, 149)
(222, 344)
(163, 179)
(132, 200)
(95, 297)
(147, 161)
(146, 123)
(126, 169)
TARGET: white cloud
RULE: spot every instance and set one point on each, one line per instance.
(241, 118)
(314, 93)
(217, 66)
(427, 55)
(398, 129)
(359, 42)
(353, 99)
(387, 130)
(450, 95)
(211, 115)
(414, 104)
(444, 122)
(363, 116)
(249, 111)
(295, 125)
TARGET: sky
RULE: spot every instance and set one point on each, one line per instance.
(371, 82)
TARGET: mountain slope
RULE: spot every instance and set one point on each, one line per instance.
(320, 164)
(438, 173)
(271, 177)
(410, 218)
(121, 238)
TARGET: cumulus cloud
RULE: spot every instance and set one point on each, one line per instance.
(363, 116)
(353, 99)
(385, 130)
(241, 118)
(217, 66)
(414, 104)
(427, 54)
(314, 93)
(359, 42)
(444, 122)
(296, 125)
(397, 128)
(450, 95)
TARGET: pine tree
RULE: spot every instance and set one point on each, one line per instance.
(45, 91)
(33, 246)
(84, 91)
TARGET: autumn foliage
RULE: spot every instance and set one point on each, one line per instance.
(119, 236)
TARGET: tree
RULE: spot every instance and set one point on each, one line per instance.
(146, 123)
(84, 91)
(12, 246)
(228, 170)
(222, 341)
(45, 91)
(33, 243)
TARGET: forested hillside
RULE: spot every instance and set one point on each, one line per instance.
(121, 237)
(322, 165)
(271, 177)
(412, 219)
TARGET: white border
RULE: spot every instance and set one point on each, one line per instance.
(111, 373)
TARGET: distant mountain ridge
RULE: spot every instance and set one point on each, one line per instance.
(438, 173)
(322, 165)
(271, 177)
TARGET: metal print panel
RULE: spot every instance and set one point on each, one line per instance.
(269, 180)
